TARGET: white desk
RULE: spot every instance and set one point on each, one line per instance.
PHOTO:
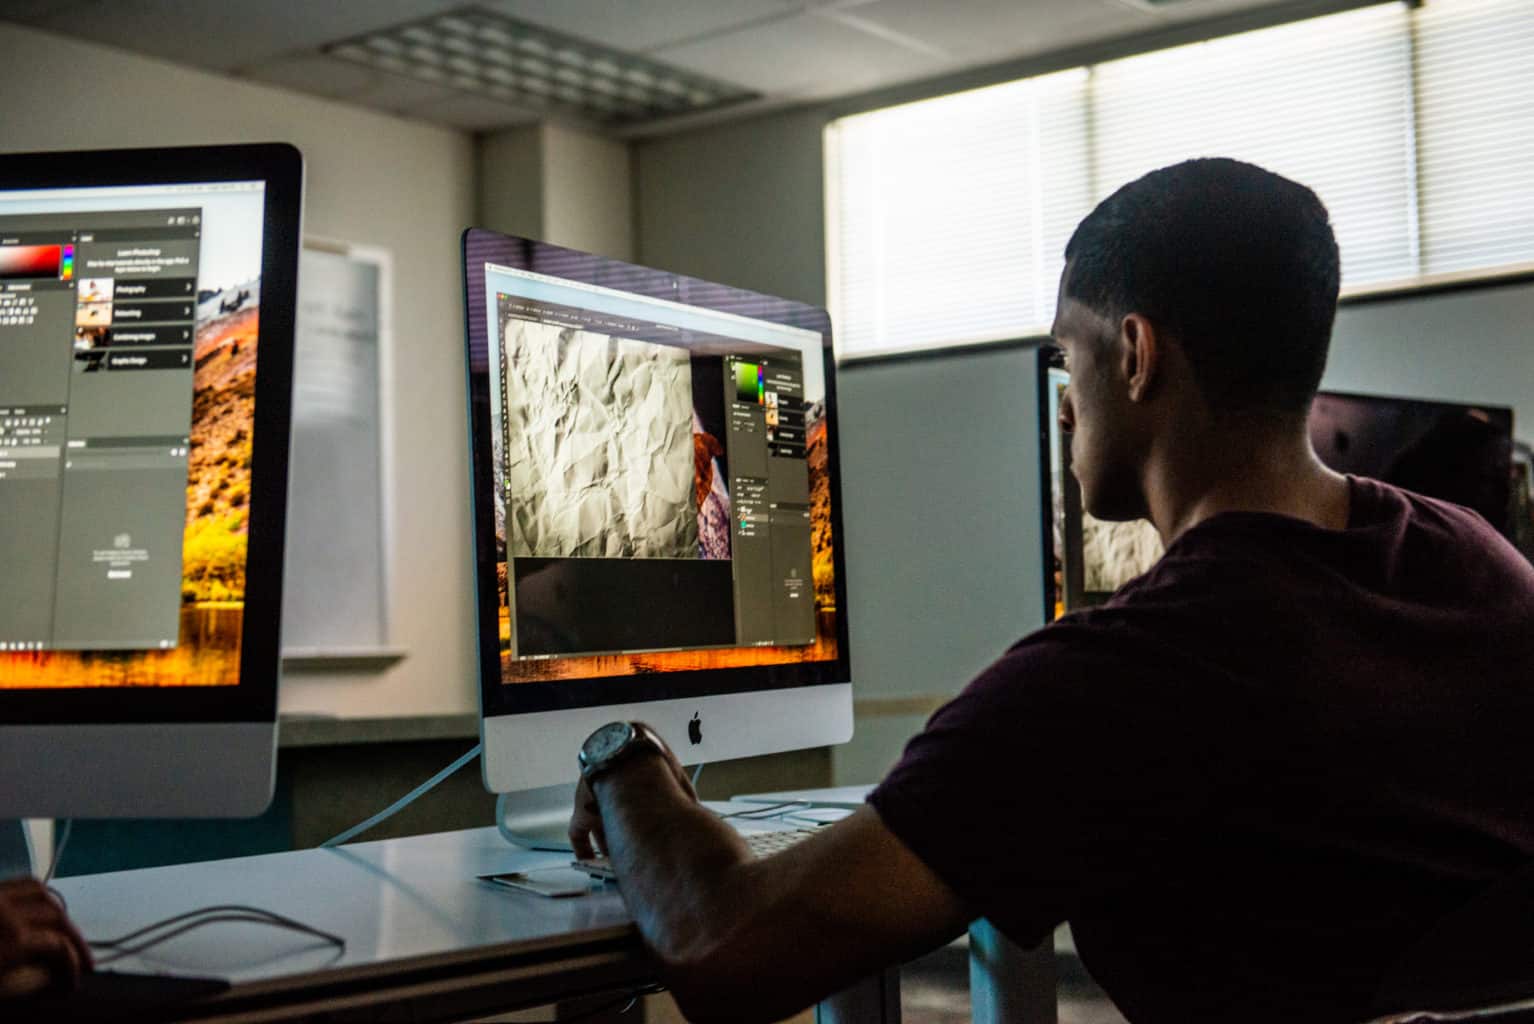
(419, 926)
(426, 940)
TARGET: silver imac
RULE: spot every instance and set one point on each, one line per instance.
(657, 517)
(146, 348)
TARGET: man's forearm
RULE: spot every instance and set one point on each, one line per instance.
(681, 867)
(743, 939)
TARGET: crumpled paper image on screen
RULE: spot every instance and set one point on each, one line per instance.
(599, 448)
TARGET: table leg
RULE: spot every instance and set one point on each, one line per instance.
(874, 1000)
(1007, 983)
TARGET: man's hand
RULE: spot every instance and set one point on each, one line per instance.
(39, 946)
(741, 939)
(586, 835)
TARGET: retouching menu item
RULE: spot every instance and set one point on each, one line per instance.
(97, 317)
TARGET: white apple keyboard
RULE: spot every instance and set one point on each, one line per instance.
(761, 844)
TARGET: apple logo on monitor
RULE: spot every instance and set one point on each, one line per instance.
(695, 729)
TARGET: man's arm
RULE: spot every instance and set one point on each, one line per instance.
(39, 946)
(742, 939)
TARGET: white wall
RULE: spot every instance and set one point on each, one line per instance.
(739, 204)
(509, 166)
(558, 185)
(371, 179)
(588, 193)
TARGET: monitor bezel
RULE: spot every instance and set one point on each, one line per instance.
(498, 698)
(253, 697)
(1048, 356)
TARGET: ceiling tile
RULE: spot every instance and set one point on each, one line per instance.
(805, 57)
(220, 34)
(1193, 10)
(28, 12)
(642, 25)
(974, 31)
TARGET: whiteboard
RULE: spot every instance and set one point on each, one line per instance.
(335, 565)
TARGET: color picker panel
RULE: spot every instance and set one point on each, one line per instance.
(31, 261)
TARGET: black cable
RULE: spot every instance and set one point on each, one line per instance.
(122, 952)
(766, 812)
(216, 908)
(128, 945)
(628, 1002)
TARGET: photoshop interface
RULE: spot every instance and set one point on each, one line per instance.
(774, 596)
(97, 322)
(655, 485)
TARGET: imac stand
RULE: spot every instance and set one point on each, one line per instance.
(536, 819)
(15, 848)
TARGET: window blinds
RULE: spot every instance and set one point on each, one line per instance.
(1325, 102)
(1475, 139)
(949, 214)
(947, 218)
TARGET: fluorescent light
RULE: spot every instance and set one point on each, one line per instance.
(484, 53)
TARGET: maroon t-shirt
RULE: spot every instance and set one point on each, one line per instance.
(1259, 772)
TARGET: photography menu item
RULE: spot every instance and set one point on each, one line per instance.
(97, 323)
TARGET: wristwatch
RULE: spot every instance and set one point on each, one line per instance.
(614, 743)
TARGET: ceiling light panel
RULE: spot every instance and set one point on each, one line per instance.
(487, 54)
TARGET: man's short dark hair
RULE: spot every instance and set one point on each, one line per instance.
(1237, 264)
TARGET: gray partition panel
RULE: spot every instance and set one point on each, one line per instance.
(940, 486)
(1472, 345)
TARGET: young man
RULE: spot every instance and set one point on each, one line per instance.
(1272, 762)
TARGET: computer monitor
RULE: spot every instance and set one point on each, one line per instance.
(1457, 452)
(656, 512)
(1447, 450)
(146, 348)
(1086, 559)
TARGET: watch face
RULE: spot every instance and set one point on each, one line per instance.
(605, 742)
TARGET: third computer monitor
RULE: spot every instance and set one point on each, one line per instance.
(1448, 450)
(656, 508)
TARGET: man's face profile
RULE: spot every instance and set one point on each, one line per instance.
(1092, 410)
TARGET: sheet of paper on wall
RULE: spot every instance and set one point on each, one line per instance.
(334, 598)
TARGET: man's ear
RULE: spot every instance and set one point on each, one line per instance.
(1140, 349)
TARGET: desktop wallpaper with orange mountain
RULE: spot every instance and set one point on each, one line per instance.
(215, 539)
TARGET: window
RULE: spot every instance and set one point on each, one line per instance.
(947, 218)
(1325, 102)
(1475, 148)
(951, 214)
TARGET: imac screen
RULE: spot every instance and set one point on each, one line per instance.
(1459, 453)
(661, 478)
(1454, 452)
(1087, 558)
(128, 340)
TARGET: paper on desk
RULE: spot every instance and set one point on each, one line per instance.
(599, 452)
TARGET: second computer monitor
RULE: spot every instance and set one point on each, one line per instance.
(657, 511)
